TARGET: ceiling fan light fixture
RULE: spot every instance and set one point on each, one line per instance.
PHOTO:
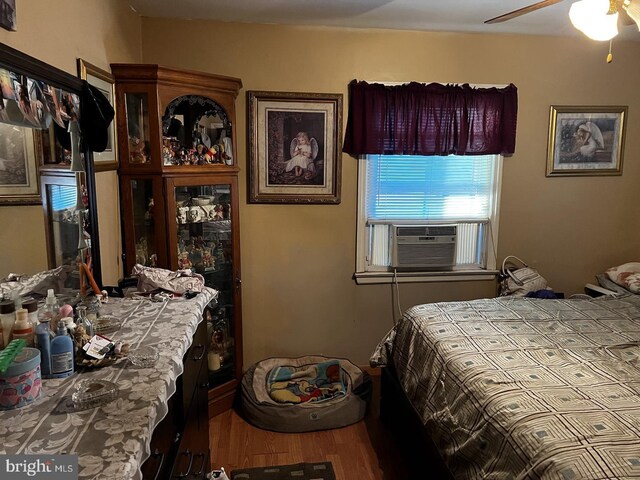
(591, 17)
(632, 7)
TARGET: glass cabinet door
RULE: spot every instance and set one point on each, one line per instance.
(204, 242)
(138, 128)
(143, 221)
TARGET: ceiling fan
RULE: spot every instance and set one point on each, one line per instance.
(597, 19)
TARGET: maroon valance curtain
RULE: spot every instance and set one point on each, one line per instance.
(433, 119)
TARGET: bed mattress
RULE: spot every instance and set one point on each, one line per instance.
(519, 388)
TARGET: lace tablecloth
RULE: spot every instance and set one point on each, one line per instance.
(112, 441)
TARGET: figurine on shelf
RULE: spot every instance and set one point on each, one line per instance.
(182, 215)
(212, 155)
(141, 251)
(138, 150)
(148, 215)
(80, 336)
(183, 261)
(198, 242)
(219, 254)
(225, 147)
(207, 259)
(153, 260)
(219, 212)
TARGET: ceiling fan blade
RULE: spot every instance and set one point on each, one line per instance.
(522, 11)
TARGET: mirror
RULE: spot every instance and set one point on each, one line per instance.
(196, 131)
(47, 211)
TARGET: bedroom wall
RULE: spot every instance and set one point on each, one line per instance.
(298, 261)
(100, 32)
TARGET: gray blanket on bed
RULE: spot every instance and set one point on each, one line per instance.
(516, 388)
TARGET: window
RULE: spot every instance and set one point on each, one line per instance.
(428, 191)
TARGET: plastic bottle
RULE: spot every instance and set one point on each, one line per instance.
(84, 320)
(32, 307)
(22, 327)
(7, 319)
(61, 353)
(51, 309)
(43, 339)
(47, 316)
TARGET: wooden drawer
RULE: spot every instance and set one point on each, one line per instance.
(164, 444)
(194, 361)
(180, 443)
(192, 458)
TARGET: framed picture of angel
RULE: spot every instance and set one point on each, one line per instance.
(586, 141)
(294, 147)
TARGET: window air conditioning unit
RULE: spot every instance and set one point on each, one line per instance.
(423, 247)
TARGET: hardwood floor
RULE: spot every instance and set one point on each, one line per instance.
(363, 451)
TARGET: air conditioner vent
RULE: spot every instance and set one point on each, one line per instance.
(423, 247)
(426, 230)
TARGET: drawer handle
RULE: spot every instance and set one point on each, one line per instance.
(157, 453)
(201, 469)
(187, 452)
(202, 352)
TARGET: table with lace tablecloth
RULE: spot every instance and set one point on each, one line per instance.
(112, 441)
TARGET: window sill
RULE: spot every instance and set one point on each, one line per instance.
(368, 278)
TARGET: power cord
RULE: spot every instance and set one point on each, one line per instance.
(397, 288)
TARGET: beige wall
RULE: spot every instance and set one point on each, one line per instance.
(298, 261)
(100, 32)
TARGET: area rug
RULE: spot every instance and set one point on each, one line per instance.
(299, 471)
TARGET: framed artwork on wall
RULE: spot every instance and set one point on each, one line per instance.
(586, 140)
(294, 147)
(103, 81)
(8, 14)
(19, 183)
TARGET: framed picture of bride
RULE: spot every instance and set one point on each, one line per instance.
(294, 147)
(586, 140)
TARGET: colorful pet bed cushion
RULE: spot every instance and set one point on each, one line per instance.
(304, 394)
(626, 275)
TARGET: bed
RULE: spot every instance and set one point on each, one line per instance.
(521, 388)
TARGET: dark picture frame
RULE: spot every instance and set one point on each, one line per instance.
(19, 165)
(295, 148)
(8, 15)
(586, 140)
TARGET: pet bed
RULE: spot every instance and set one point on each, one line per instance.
(343, 401)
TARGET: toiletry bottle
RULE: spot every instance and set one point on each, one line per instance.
(51, 309)
(84, 321)
(7, 319)
(22, 327)
(32, 307)
(61, 353)
(43, 339)
(69, 323)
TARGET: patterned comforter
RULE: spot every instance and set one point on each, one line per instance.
(519, 388)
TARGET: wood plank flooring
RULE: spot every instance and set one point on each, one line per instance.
(363, 451)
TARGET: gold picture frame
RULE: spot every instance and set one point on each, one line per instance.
(586, 140)
(295, 147)
(103, 81)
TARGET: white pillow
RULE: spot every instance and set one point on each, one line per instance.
(626, 275)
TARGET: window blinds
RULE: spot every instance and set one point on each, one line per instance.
(452, 188)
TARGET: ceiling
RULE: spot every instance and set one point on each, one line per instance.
(432, 15)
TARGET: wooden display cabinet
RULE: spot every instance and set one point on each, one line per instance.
(179, 190)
